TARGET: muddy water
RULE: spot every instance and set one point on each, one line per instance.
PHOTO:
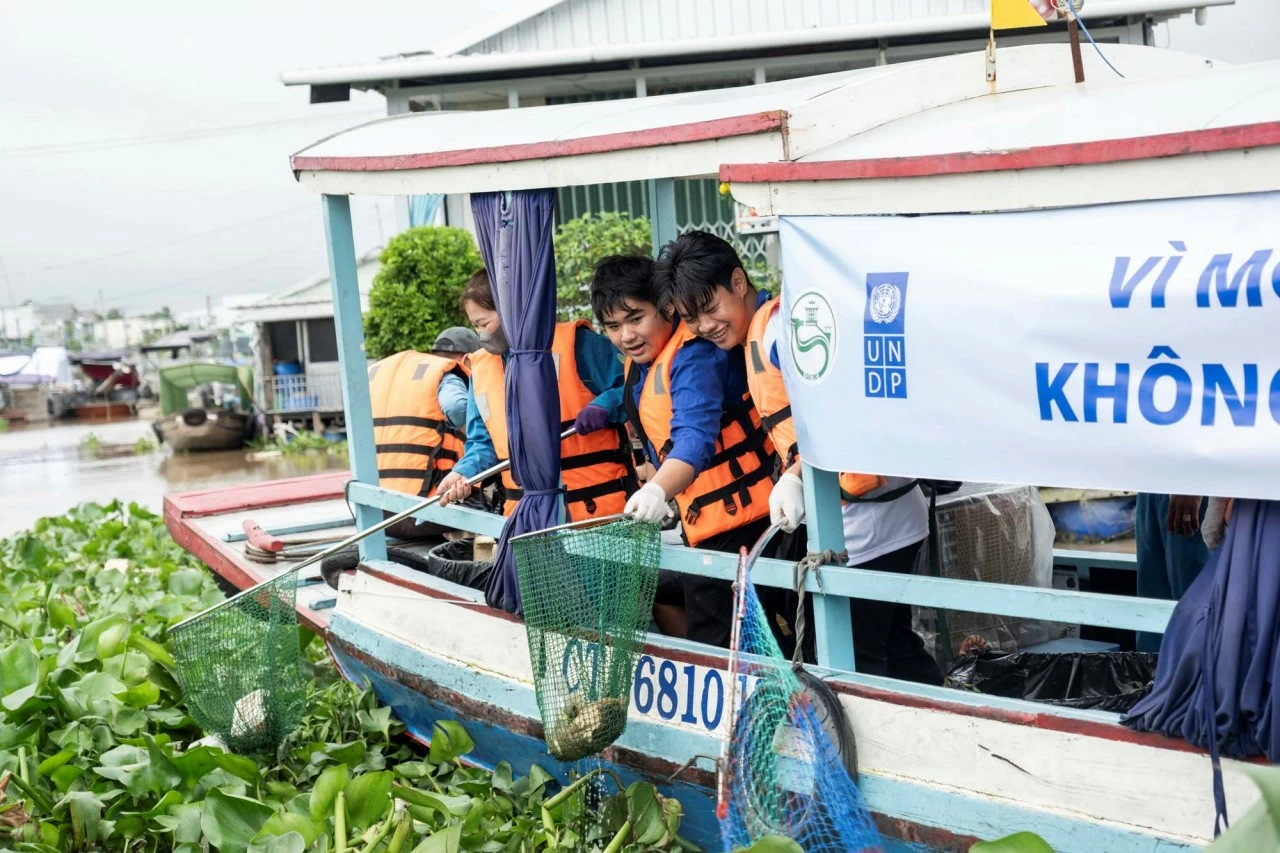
(44, 470)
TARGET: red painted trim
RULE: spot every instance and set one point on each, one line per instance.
(745, 125)
(226, 562)
(1039, 157)
(316, 487)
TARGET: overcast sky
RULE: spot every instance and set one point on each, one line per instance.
(143, 147)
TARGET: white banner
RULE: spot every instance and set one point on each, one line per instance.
(1131, 346)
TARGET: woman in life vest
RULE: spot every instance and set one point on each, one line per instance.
(688, 404)
(595, 465)
(886, 519)
(419, 402)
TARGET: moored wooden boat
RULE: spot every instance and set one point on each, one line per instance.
(938, 767)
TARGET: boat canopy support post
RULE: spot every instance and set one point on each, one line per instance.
(833, 629)
(356, 407)
(662, 212)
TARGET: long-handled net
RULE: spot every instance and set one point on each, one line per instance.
(782, 774)
(587, 594)
(240, 666)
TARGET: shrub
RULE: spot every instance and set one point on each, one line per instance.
(580, 242)
(415, 294)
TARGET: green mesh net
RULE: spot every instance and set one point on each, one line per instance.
(239, 666)
(587, 595)
(782, 773)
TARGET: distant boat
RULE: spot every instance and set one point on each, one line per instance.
(205, 406)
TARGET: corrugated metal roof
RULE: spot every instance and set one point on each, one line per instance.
(573, 33)
(590, 23)
(312, 296)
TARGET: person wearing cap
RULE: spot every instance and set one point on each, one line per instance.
(419, 403)
(596, 469)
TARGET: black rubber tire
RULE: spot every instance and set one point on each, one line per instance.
(834, 719)
(194, 417)
(348, 559)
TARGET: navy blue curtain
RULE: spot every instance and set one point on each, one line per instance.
(514, 231)
(1218, 678)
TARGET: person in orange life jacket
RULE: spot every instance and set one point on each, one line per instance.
(885, 518)
(596, 471)
(419, 411)
(687, 402)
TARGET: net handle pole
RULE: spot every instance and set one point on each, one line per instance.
(745, 562)
(361, 535)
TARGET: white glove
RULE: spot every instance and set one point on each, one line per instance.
(786, 502)
(648, 505)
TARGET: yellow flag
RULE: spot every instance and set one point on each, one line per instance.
(1014, 15)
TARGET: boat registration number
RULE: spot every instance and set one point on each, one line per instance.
(675, 693)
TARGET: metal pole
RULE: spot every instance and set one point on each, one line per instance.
(361, 535)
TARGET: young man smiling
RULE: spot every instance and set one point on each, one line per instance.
(885, 518)
(687, 401)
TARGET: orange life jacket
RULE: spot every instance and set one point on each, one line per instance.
(416, 446)
(770, 396)
(734, 489)
(595, 469)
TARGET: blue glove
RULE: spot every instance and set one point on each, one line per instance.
(591, 419)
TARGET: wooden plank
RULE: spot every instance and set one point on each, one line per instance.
(273, 493)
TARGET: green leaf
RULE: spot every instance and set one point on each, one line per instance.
(60, 614)
(445, 841)
(378, 720)
(502, 777)
(449, 741)
(64, 776)
(85, 811)
(53, 762)
(187, 582)
(445, 804)
(1259, 829)
(141, 695)
(1021, 842)
(779, 844)
(368, 798)
(283, 823)
(238, 766)
(114, 628)
(19, 667)
(151, 649)
(230, 822)
(647, 824)
(140, 771)
(326, 789)
(290, 842)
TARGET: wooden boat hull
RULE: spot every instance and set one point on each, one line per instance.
(221, 430)
(102, 412)
(938, 768)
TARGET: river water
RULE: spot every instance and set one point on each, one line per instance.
(47, 469)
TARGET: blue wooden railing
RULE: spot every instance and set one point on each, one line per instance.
(832, 628)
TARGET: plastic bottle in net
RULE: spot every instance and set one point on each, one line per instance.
(783, 774)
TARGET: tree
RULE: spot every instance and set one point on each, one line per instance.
(114, 314)
(415, 294)
(580, 243)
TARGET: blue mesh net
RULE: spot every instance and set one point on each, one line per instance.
(783, 774)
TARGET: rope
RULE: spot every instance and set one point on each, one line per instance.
(810, 563)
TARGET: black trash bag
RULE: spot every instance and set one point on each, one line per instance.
(452, 561)
(348, 559)
(1103, 681)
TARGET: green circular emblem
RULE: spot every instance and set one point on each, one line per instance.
(813, 336)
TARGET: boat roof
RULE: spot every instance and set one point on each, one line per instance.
(793, 121)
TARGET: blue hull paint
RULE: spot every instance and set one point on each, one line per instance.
(920, 806)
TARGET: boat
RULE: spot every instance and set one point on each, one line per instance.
(1006, 135)
(205, 406)
(113, 388)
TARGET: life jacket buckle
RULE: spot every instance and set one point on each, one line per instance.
(591, 506)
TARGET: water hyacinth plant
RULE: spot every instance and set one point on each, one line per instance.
(97, 751)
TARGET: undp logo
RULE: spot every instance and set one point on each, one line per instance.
(813, 336)
(884, 342)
